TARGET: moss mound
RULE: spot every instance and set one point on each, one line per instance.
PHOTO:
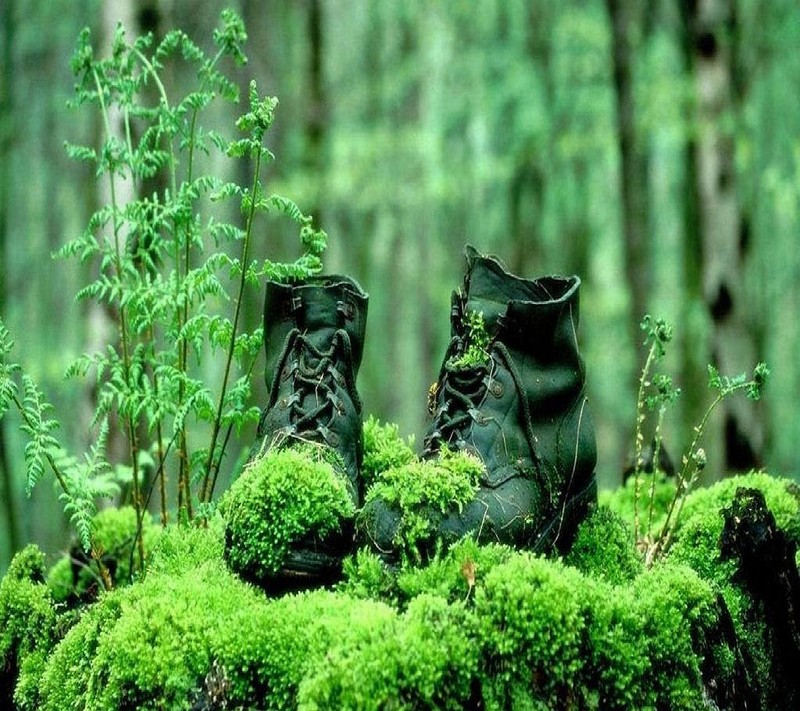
(76, 577)
(384, 449)
(422, 492)
(281, 498)
(477, 626)
(28, 628)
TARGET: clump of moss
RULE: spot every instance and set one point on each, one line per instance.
(603, 548)
(477, 340)
(156, 644)
(422, 492)
(76, 577)
(384, 449)
(520, 606)
(181, 547)
(426, 658)
(455, 575)
(28, 628)
(288, 494)
(366, 576)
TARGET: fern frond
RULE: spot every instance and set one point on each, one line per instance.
(39, 429)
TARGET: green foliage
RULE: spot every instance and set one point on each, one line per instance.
(423, 491)
(384, 449)
(603, 548)
(280, 498)
(28, 628)
(476, 341)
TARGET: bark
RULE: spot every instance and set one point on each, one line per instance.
(768, 570)
(721, 228)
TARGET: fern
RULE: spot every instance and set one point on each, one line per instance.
(39, 428)
(87, 481)
(173, 272)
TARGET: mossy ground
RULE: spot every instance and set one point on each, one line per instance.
(479, 626)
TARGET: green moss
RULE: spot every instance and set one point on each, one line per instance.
(155, 645)
(455, 575)
(477, 342)
(531, 629)
(603, 548)
(28, 628)
(181, 547)
(279, 499)
(427, 658)
(384, 449)
(678, 609)
(76, 576)
(66, 677)
(422, 492)
(366, 576)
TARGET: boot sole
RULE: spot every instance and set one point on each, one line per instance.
(560, 531)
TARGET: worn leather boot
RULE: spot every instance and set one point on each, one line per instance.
(314, 340)
(518, 402)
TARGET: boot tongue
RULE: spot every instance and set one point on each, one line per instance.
(319, 317)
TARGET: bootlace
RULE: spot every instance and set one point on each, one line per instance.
(463, 389)
(313, 403)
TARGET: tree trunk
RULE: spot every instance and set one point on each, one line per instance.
(722, 230)
(315, 118)
(7, 490)
(633, 164)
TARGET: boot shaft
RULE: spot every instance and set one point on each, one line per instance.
(316, 307)
(314, 340)
(533, 414)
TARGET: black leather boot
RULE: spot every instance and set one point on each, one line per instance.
(314, 339)
(514, 396)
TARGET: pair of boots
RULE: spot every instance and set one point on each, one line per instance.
(516, 400)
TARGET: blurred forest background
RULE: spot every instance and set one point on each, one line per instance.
(650, 146)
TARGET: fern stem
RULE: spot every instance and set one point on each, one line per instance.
(225, 441)
(132, 438)
(206, 488)
(639, 439)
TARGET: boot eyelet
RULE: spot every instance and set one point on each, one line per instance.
(496, 388)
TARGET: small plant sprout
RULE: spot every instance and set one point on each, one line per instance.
(656, 393)
(694, 460)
